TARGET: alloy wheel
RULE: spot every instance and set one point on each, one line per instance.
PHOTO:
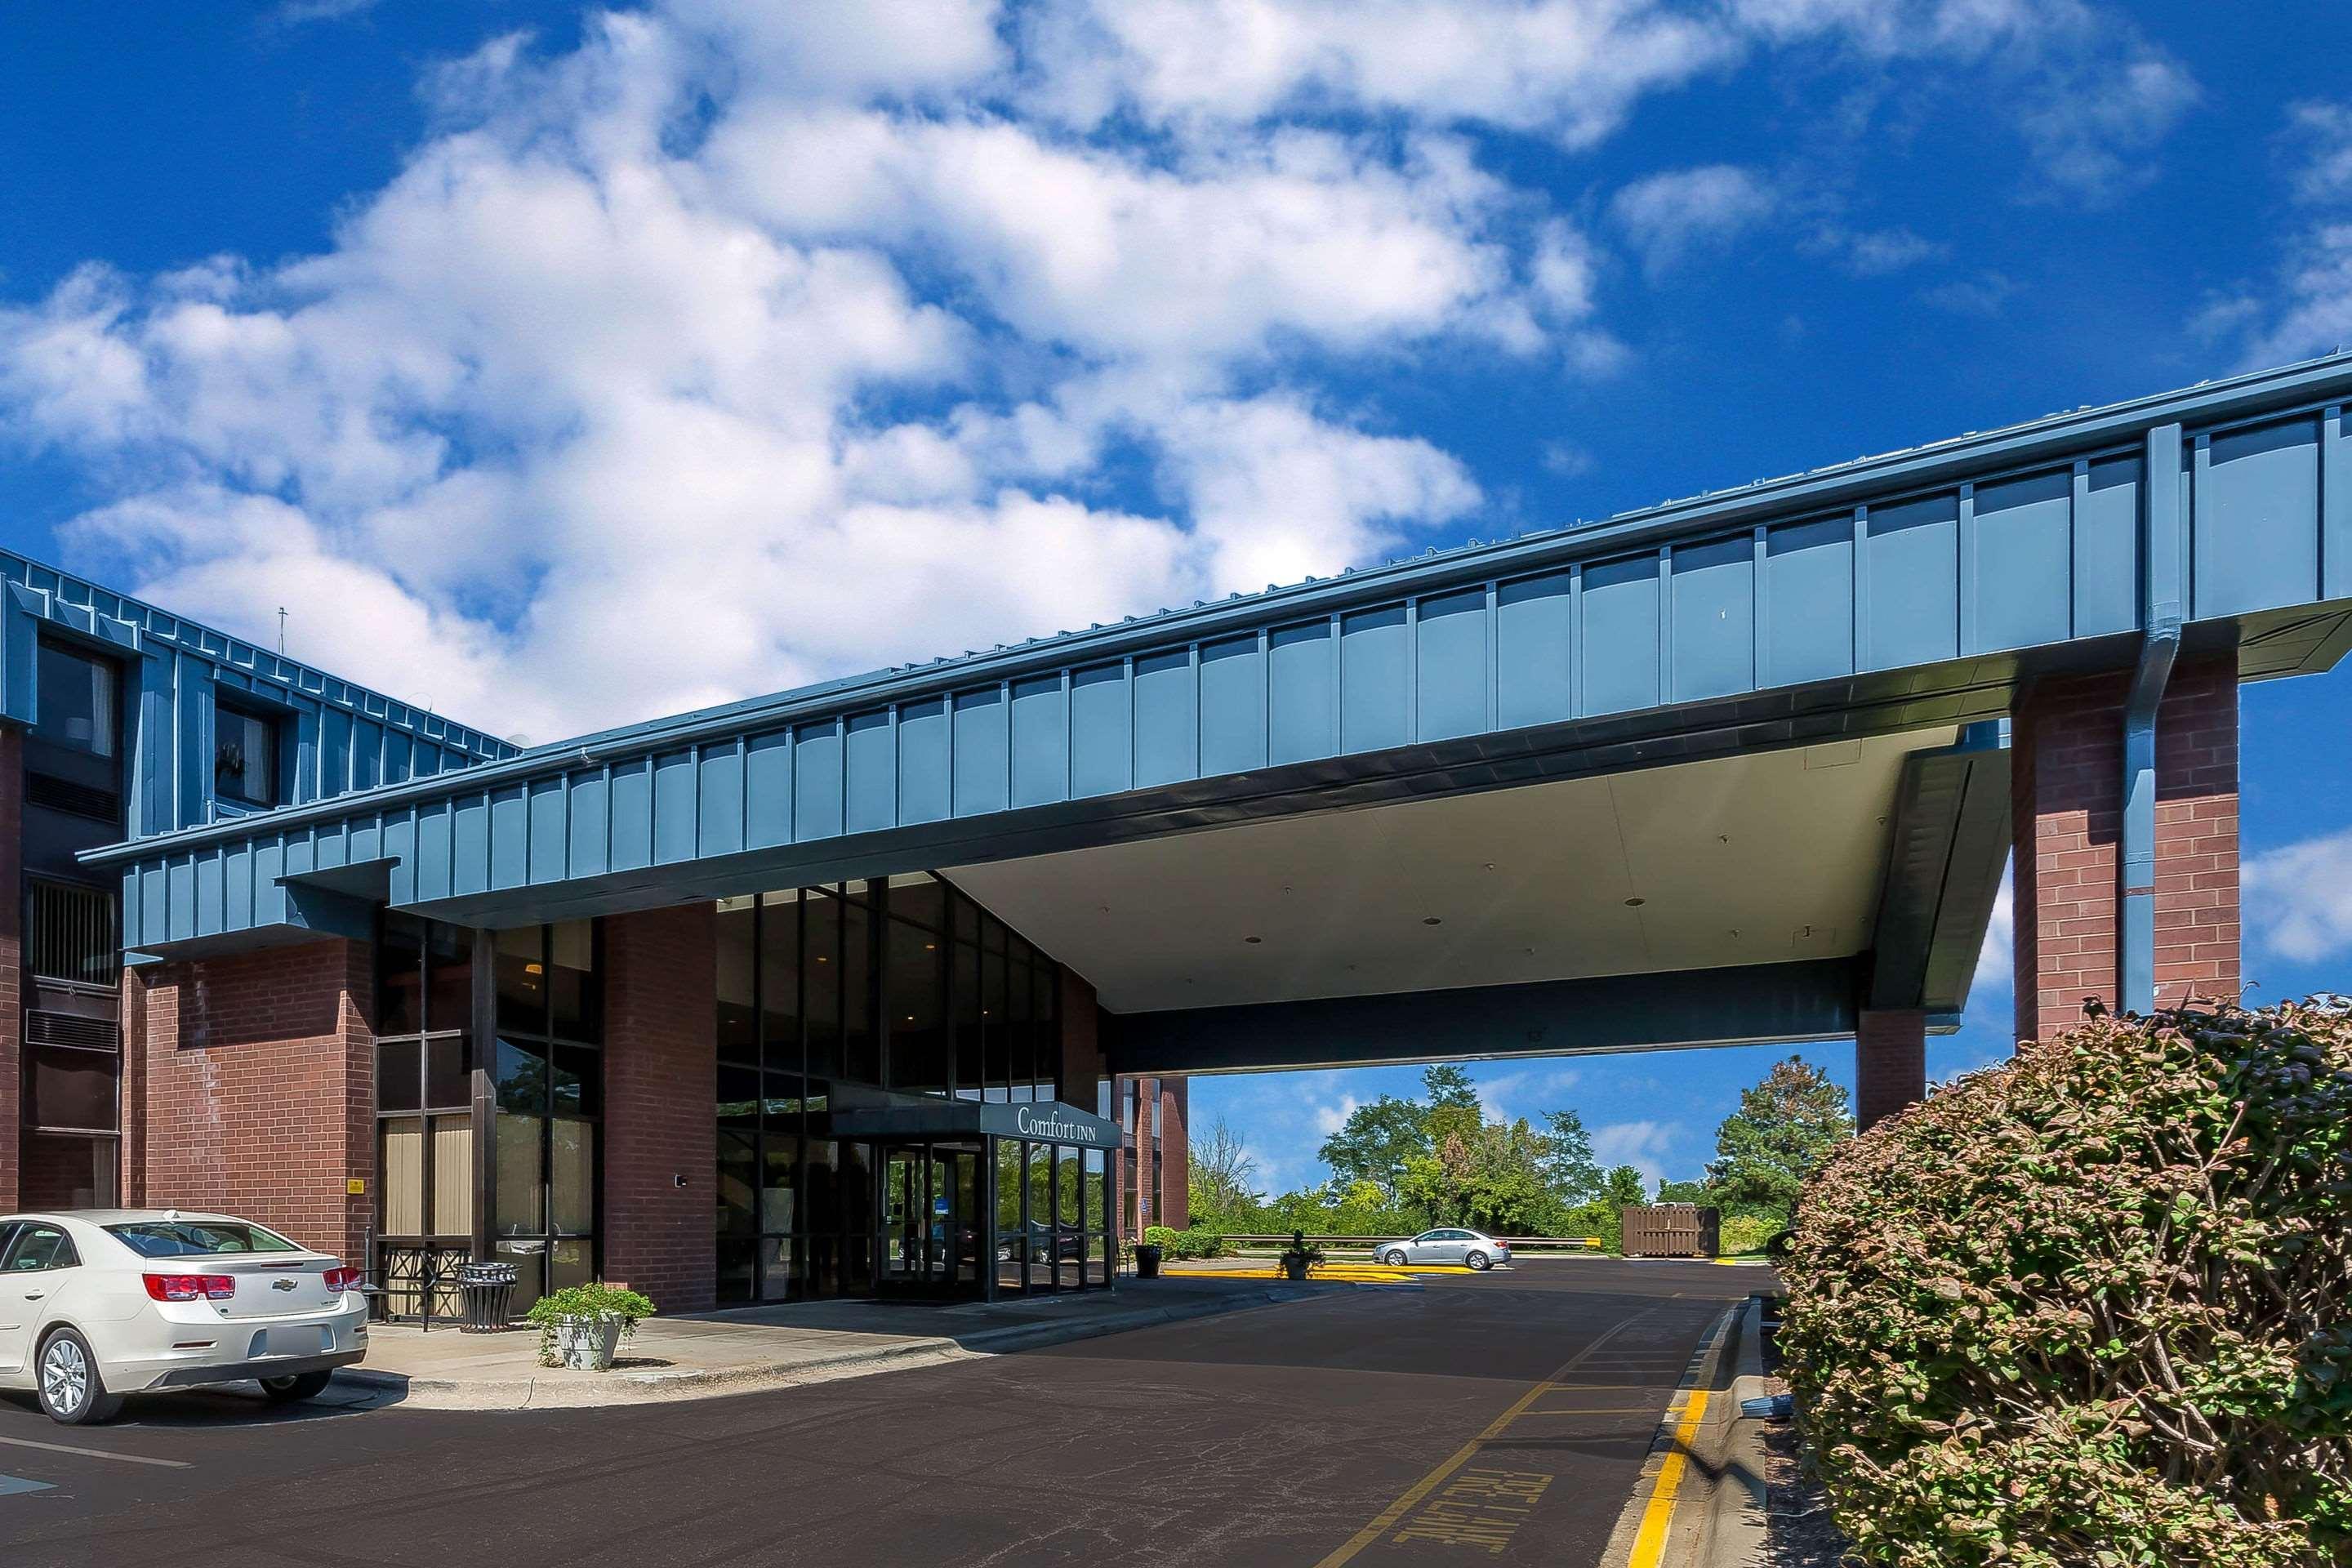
(65, 1376)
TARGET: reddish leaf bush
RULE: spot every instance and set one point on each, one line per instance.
(2094, 1307)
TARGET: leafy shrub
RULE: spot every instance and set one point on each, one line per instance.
(594, 1299)
(1200, 1241)
(1748, 1232)
(2091, 1307)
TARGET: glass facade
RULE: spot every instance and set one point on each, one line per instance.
(489, 1108)
(906, 987)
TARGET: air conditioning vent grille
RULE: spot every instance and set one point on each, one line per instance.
(44, 1028)
(74, 799)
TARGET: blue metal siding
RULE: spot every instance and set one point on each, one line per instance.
(2256, 501)
(2010, 554)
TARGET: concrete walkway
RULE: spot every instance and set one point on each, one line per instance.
(709, 1353)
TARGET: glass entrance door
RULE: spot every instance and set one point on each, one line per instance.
(928, 1241)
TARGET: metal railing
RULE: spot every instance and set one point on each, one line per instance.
(1373, 1243)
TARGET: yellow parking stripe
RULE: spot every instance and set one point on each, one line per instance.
(1650, 1542)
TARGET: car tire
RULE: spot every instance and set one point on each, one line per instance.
(1477, 1262)
(301, 1386)
(1394, 1259)
(71, 1390)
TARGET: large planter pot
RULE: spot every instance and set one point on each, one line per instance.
(586, 1344)
(1294, 1269)
(1147, 1261)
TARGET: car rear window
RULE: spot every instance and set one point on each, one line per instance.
(195, 1238)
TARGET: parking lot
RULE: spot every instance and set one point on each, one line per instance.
(1508, 1413)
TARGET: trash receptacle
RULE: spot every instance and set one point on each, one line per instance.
(488, 1289)
(1147, 1261)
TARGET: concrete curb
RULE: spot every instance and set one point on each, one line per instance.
(1714, 1516)
(579, 1391)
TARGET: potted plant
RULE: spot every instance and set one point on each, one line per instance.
(580, 1326)
(1297, 1258)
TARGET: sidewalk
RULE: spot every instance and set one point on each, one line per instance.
(705, 1354)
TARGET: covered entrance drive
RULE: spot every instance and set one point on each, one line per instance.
(982, 1200)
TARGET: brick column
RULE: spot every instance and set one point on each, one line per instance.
(12, 962)
(1175, 1153)
(1890, 1065)
(661, 1056)
(1080, 1070)
(257, 1081)
(2066, 814)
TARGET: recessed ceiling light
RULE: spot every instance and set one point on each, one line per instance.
(1253, 940)
(1433, 921)
(1635, 903)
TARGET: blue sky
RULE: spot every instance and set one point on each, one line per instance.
(559, 367)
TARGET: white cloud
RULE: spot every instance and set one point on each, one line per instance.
(1330, 1118)
(741, 345)
(1646, 1145)
(1987, 294)
(2323, 132)
(1872, 253)
(2299, 898)
(1527, 1091)
(1669, 217)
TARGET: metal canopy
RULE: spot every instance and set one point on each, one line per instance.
(1913, 591)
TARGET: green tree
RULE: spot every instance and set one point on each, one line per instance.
(1624, 1186)
(1565, 1160)
(1374, 1143)
(1447, 1083)
(1784, 1128)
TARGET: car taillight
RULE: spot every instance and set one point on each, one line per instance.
(340, 1279)
(191, 1286)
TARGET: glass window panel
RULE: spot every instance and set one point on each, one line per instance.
(858, 1264)
(967, 917)
(779, 1189)
(521, 1079)
(821, 984)
(821, 1181)
(577, 1081)
(739, 1182)
(854, 1162)
(71, 1088)
(521, 1175)
(446, 1082)
(779, 979)
(1045, 1038)
(915, 993)
(400, 1165)
(996, 1079)
(740, 1094)
(860, 1057)
(398, 1083)
(738, 1026)
(1039, 1232)
(781, 1110)
(570, 1263)
(522, 980)
(571, 1175)
(737, 1271)
(400, 976)
(1021, 1008)
(920, 899)
(76, 700)
(779, 1276)
(449, 1001)
(574, 993)
(452, 1175)
(1098, 1190)
(245, 756)
(970, 1061)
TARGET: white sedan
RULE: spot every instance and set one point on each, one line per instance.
(1472, 1249)
(98, 1303)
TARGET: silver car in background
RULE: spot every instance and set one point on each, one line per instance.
(1447, 1243)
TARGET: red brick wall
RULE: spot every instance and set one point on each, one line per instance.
(661, 1054)
(2066, 814)
(1890, 1064)
(1175, 1153)
(12, 962)
(257, 1077)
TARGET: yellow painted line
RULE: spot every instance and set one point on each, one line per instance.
(1650, 1542)
(1462, 1456)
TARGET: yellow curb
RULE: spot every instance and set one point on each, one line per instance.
(1658, 1518)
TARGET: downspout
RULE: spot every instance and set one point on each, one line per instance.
(2160, 604)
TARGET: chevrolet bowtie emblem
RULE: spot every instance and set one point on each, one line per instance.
(281, 1284)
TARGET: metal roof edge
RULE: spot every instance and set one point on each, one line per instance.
(2248, 394)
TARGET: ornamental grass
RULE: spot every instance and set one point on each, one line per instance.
(2095, 1306)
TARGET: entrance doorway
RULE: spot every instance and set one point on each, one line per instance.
(930, 1231)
